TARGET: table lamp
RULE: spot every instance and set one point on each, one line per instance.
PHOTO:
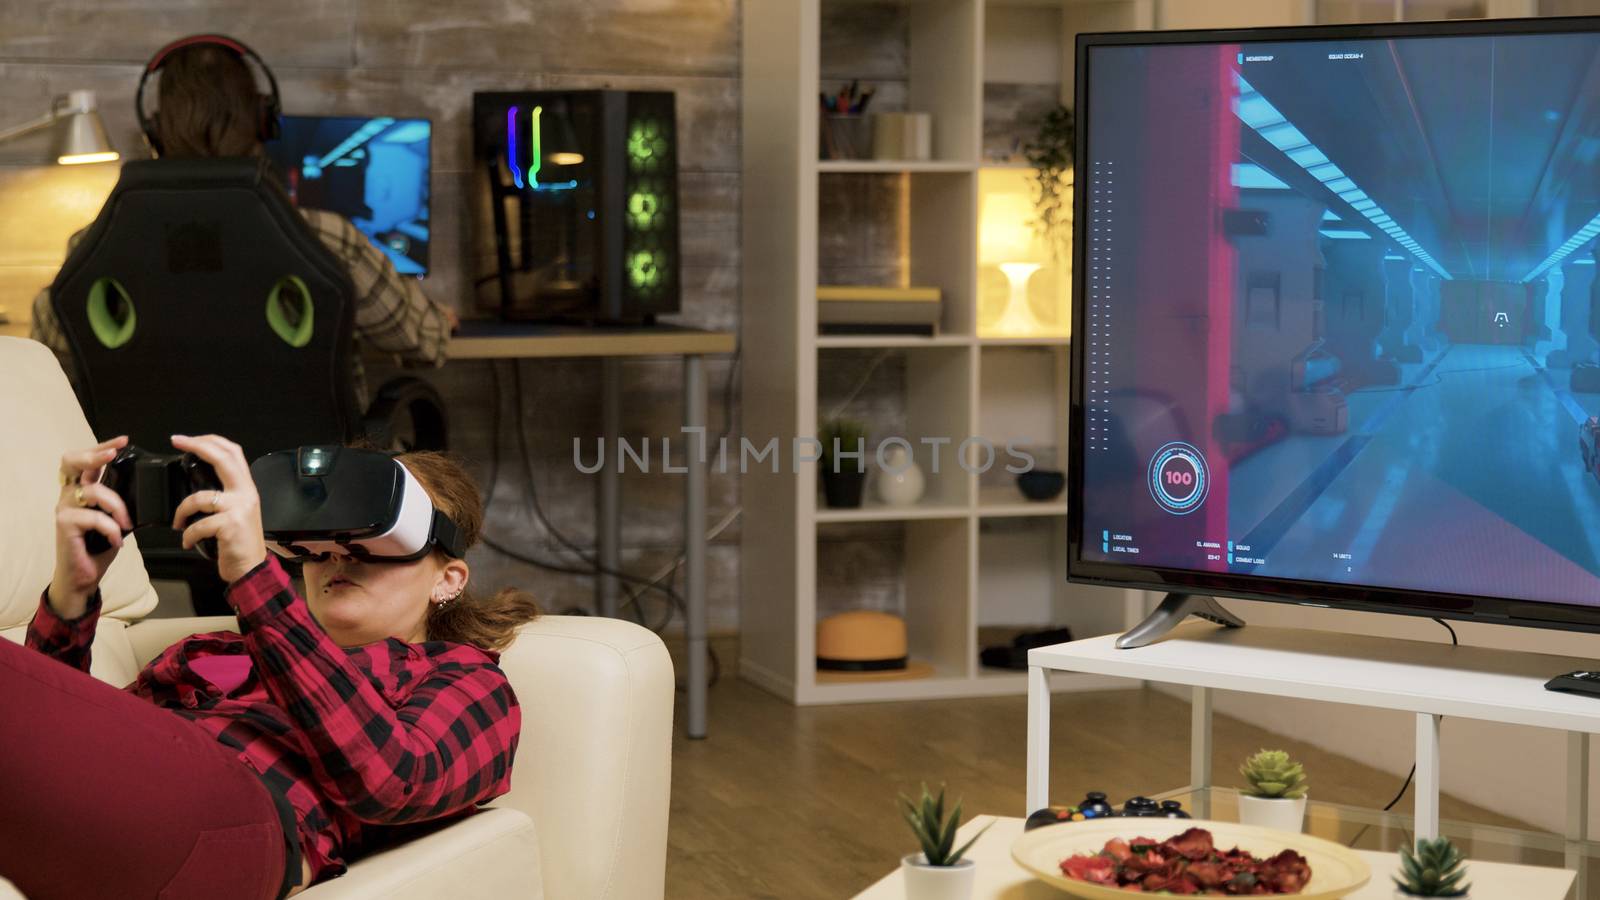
(1005, 239)
(80, 135)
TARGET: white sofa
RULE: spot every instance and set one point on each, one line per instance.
(586, 818)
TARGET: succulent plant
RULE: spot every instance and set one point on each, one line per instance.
(851, 437)
(1273, 775)
(1435, 869)
(934, 832)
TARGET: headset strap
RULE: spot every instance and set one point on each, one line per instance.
(221, 40)
(447, 536)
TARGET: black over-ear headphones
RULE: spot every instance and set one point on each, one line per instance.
(271, 104)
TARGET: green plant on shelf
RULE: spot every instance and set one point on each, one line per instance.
(1272, 775)
(1434, 869)
(934, 832)
(850, 437)
(1050, 153)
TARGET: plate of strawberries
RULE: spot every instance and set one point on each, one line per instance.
(1108, 859)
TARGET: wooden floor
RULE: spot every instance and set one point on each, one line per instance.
(795, 803)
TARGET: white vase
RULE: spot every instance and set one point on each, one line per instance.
(925, 882)
(900, 481)
(1275, 813)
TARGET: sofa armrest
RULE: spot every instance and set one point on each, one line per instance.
(494, 853)
(594, 765)
(151, 636)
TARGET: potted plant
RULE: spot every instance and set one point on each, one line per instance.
(938, 872)
(1050, 153)
(843, 477)
(1276, 795)
(1434, 869)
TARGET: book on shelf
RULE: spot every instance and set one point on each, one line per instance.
(864, 309)
(852, 293)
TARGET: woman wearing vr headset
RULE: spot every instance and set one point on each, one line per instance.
(251, 765)
(211, 106)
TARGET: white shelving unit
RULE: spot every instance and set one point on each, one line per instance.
(976, 552)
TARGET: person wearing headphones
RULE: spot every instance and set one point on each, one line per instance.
(211, 106)
(250, 765)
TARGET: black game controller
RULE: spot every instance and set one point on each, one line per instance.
(1094, 806)
(1173, 809)
(152, 485)
(1145, 808)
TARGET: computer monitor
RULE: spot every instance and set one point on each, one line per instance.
(373, 170)
(1336, 318)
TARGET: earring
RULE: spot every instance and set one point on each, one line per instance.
(442, 602)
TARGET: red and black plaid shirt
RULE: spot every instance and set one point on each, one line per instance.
(358, 740)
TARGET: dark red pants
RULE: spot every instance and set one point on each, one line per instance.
(104, 795)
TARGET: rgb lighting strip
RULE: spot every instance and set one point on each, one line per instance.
(511, 145)
(1254, 110)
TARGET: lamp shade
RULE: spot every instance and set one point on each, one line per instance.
(80, 135)
(1006, 232)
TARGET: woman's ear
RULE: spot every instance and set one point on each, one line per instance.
(451, 581)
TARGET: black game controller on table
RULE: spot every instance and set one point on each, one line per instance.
(1145, 808)
(1094, 806)
(152, 485)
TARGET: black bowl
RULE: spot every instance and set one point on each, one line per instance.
(1041, 484)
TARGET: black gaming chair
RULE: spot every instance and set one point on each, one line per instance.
(201, 302)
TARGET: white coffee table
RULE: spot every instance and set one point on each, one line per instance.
(1001, 879)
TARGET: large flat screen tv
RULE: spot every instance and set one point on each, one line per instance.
(373, 170)
(1336, 324)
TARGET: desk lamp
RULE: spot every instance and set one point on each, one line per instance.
(80, 135)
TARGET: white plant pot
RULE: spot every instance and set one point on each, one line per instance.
(925, 882)
(1277, 813)
(900, 481)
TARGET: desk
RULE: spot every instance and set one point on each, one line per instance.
(1427, 679)
(490, 340)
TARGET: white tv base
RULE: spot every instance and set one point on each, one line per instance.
(1428, 679)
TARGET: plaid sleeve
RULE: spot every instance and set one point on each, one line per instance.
(66, 640)
(392, 314)
(444, 748)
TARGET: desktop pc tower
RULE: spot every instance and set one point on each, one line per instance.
(577, 205)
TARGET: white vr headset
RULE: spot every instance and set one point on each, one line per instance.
(323, 499)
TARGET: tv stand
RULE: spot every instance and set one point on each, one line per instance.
(1427, 679)
(1174, 609)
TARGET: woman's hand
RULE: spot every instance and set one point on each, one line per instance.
(84, 506)
(232, 515)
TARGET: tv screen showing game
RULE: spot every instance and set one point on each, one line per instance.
(1336, 323)
(374, 171)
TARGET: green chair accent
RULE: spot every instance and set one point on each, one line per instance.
(111, 327)
(290, 317)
